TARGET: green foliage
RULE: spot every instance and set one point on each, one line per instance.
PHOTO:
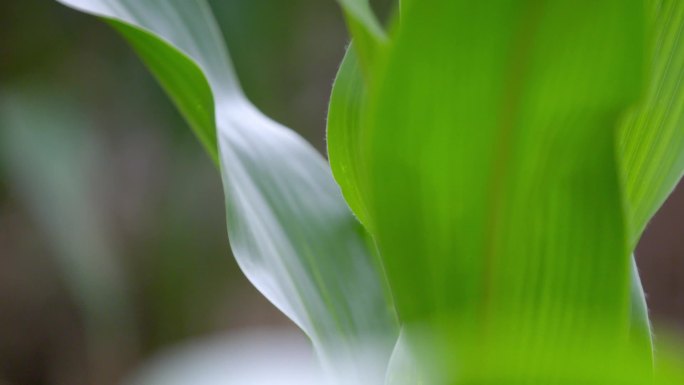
(364, 27)
(650, 137)
(289, 227)
(538, 85)
(55, 185)
(503, 155)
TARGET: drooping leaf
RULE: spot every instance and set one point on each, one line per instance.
(488, 175)
(289, 227)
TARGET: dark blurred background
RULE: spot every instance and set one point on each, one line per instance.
(152, 199)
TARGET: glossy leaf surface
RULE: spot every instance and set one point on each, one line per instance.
(288, 225)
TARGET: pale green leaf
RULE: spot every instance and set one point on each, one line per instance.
(640, 325)
(50, 156)
(289, 227)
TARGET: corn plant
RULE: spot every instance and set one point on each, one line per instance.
(492, 165)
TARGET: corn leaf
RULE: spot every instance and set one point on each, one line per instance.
(288, 225)
(365, 28)
(486, 171)
(651, 137)
(404, 5)
(344, 124)
(347, 102)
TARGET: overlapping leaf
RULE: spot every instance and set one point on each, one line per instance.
(365, 28)
(485, 167)
(289, 227)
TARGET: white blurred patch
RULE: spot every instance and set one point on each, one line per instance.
(258, 357)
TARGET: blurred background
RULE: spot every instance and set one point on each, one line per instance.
(112, 240)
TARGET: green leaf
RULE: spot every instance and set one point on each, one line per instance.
(651, 137)
(347, 103)
(368, 34)
(289, 227)
(404, 5)
(489, 178)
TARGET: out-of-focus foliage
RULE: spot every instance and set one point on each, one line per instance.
(261, 357)
(651, 137)
(50, 155)
(477, 158)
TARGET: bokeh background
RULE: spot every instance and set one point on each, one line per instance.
(125, 207)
